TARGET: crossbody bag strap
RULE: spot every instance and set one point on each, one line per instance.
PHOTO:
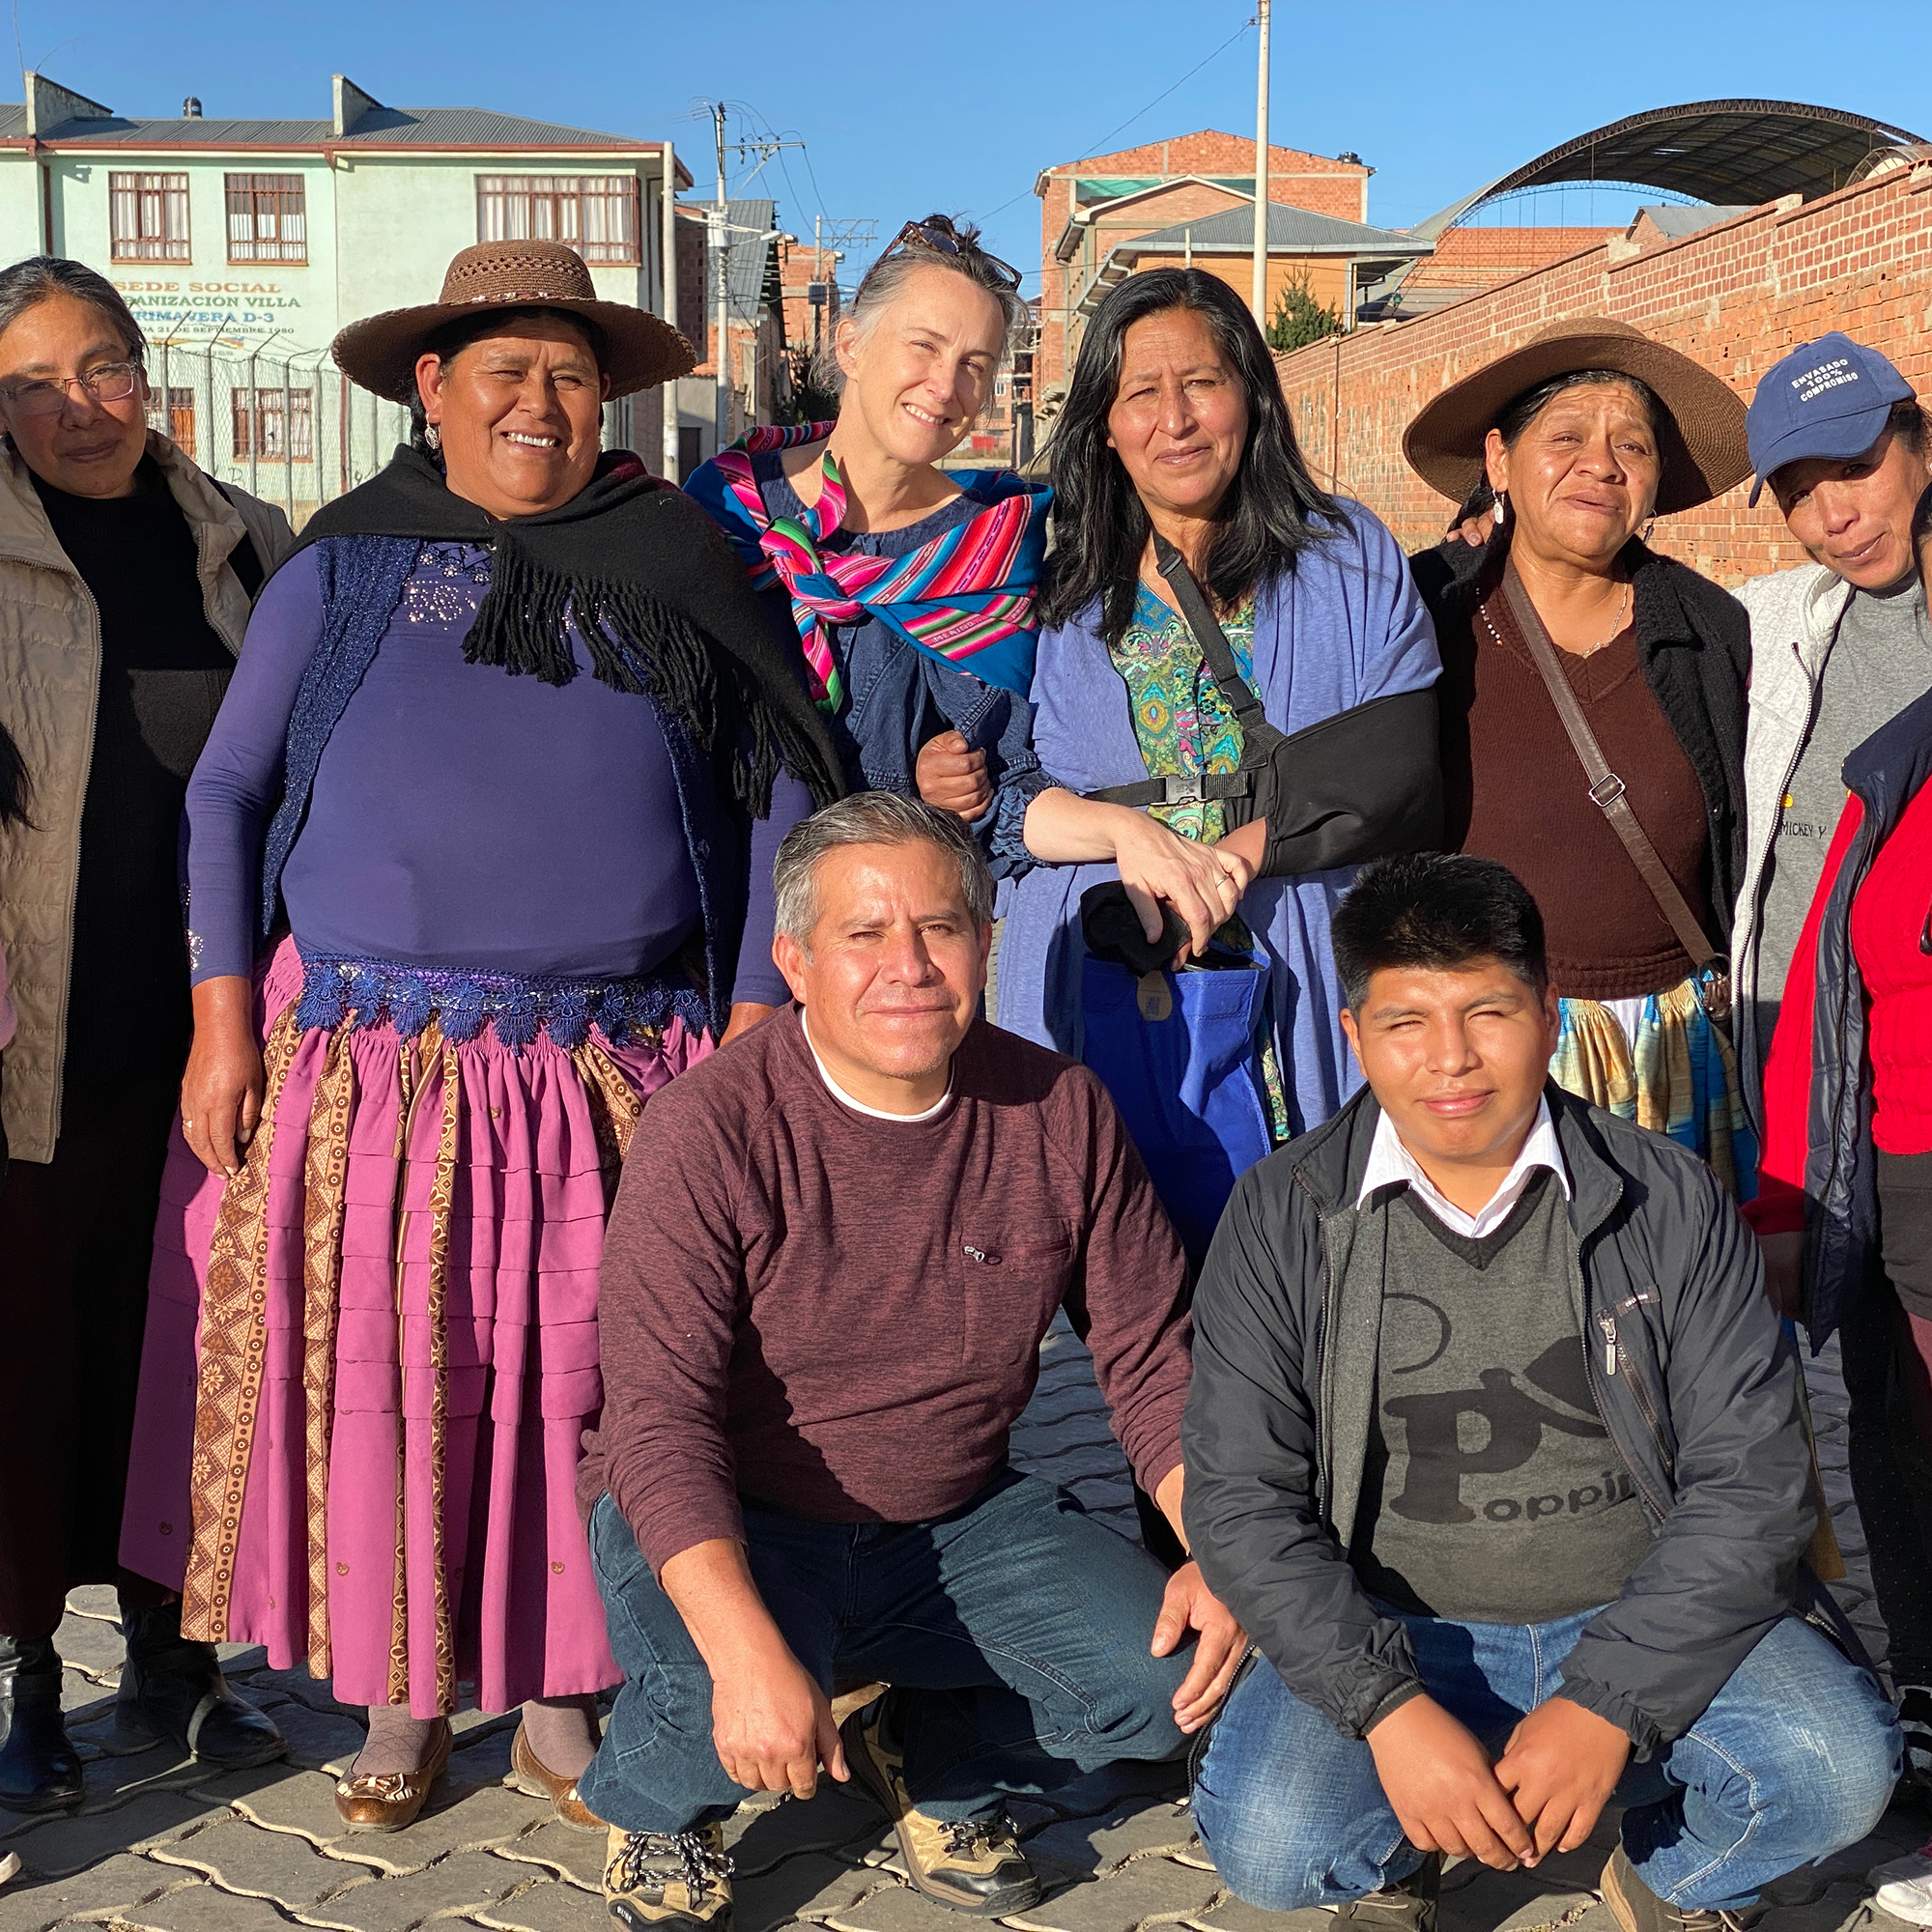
(1607, 790)
(1258, 736)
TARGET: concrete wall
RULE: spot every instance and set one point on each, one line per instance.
(1736, 298)
(19, 206)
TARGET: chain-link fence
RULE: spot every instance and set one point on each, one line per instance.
(290, 429)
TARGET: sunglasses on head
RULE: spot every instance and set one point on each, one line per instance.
(938, 236)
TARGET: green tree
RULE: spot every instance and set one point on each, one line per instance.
(1299, 318)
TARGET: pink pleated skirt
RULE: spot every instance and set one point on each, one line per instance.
(371, 1358)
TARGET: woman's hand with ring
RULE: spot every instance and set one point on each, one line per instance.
(1158, 866)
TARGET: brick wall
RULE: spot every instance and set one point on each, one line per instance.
(1475, 258)
(1736, 298)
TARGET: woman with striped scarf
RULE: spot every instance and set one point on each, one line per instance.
(909, 587)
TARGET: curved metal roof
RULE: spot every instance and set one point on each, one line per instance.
(1715, 151)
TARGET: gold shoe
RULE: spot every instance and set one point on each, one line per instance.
(534, 1779)
(392, 1801)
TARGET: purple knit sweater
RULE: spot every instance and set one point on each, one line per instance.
(461, 818)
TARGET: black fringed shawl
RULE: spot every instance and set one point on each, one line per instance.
(655, 593)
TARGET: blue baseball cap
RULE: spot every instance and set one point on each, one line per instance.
(1830, 398)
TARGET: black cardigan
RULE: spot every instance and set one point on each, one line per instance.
(1693, 641)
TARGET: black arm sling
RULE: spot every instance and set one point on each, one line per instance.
(1359, 785)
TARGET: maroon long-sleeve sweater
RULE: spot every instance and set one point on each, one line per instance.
(839, 1318)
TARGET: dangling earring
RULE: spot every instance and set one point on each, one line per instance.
(1502, 508)
(1649, 525)
(433, 436)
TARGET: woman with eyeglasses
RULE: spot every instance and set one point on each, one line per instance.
(909, 587)
(127, 573)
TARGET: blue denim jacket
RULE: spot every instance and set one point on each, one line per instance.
(896, 697)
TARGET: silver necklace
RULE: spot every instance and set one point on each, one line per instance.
(1589, 650)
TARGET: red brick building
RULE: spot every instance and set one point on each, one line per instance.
(1735, 294)
(1089, 206)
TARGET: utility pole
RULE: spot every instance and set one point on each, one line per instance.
(720, 248)
(1262, 175)
(668, 255)
(832, 237)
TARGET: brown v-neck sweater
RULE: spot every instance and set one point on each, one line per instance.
(1520, 795)
(838, 1317)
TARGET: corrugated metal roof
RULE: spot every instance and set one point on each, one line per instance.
(1678, 223)
(1290, 230)
(748, 265)
(379, 127)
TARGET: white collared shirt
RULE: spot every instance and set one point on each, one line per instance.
(1391, 1163)
(844, 1099)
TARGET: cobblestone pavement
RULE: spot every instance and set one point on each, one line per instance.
(161, 1846)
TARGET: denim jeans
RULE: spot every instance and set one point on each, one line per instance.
(1793, 1760)
(1021, 1625)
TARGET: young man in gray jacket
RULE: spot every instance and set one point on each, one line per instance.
(1493, 1445)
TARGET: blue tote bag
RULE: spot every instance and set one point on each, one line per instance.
(1181, 1054)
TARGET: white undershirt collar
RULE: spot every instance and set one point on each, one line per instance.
(844, 1099)
(1390, 1164)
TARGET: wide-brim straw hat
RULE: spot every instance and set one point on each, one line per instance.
(1702, 441)
(639, 349)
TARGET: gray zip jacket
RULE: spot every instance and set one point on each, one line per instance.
(1794, 618)
(1692, 1375)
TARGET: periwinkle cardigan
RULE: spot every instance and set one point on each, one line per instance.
(1343, 626)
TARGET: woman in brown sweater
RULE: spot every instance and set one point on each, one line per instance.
(1576, 442)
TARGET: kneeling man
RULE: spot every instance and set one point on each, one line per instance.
(835, 1248)
(1494, 1444)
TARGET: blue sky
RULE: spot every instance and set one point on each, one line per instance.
(907, 107)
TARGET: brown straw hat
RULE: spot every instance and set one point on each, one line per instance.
(1702, 439)
(639, 349)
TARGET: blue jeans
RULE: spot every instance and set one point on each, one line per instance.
(1794, 1759)
(1022, 1625)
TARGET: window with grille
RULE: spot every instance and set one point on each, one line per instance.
(596, 215)
(147, 217)
(261, 432)
(268, 218)
(175, 417)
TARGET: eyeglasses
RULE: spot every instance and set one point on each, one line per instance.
(938, 236)
(111, 382)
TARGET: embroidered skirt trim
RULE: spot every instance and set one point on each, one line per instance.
(363, 993)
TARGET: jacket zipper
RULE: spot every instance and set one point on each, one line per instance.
(1330, 1295)
(1615, 1354)
(1855, 864)
(1814, 684)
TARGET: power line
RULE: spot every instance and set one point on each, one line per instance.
(1099, 146)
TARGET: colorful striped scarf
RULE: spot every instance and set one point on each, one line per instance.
(965, 598)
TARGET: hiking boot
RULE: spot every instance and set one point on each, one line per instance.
(654, 1879)
(971, 1864)
(40, 1768)
(174, 1688)
(1638, 1909)
(1408, 1905)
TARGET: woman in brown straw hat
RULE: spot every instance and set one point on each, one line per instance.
(1593, 702)
(475, 864)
